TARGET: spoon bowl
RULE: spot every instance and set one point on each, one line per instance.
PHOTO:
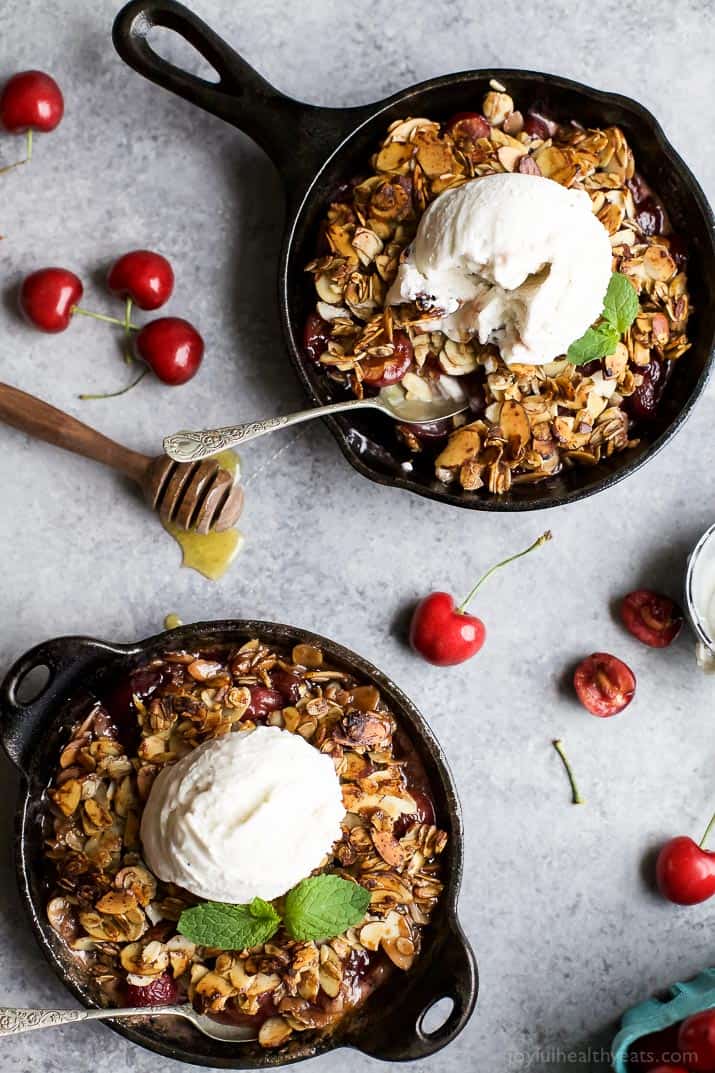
(413, 412)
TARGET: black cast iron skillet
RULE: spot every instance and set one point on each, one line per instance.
(389, 1025)
(318, 149)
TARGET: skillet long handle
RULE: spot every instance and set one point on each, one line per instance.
(37, 418)
(188, 446)
(297, 136)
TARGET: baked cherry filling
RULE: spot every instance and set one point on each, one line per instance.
(121, 922)
(524, 422)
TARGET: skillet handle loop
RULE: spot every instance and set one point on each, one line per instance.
(64, 658)
(241, 96)
(451, 974)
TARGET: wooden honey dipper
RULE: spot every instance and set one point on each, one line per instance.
(198, 495)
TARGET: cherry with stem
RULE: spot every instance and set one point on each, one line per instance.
(445, 635)
(30, 101)
(170, 346)
(685, 869)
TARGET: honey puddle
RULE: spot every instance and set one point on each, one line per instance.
(210, 554)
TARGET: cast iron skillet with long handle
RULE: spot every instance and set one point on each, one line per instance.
(316, 150)
(390, 1024)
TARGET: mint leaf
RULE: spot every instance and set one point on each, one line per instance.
(620, 306)
(324, 906)
(229, 927)
(620, 309)
(594, 343)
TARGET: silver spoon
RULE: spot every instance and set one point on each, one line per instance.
(13, 1022)
(187, 446)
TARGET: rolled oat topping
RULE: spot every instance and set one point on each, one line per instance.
(526, 422)
(119, 920)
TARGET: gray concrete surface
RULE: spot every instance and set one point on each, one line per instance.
(566, 928)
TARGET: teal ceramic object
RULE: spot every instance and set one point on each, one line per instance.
(654, 1014)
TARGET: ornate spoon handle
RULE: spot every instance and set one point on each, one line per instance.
(188, 446)
(13, 1022)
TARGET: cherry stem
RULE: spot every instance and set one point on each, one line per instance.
(708, 829)
(537, 544)
(576, 798)
(28, 154)
(122, 391)
(9, 167)
(128, 357)
(128, 327)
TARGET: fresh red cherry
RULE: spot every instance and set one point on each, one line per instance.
(31, 100)
(171, 347)
(696, 1040)
(685, 870)
(656, 1051)
(445, 635)
(604, 684)
(667, 1068)
(442, 633)
(467, 126)
(654, 619)
(48, 298)
(162, 991)
(144, 276)
(379, 372)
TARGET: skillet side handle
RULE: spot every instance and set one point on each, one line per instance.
(64, 658)
(452, 974)
(296, 136)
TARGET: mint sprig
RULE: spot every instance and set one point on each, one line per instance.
(595, 343)
(318, 908)
(230, 927)
(620, 309)
(620, 306)
(324, 906)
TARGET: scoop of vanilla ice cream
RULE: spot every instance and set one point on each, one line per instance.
(517, 260)
(243, 816)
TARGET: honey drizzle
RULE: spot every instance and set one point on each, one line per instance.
(209, 554)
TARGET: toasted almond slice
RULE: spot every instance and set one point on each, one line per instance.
(514, 423)
(463, 445)
(274, 1032)
(67, 796)
(509, 156)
